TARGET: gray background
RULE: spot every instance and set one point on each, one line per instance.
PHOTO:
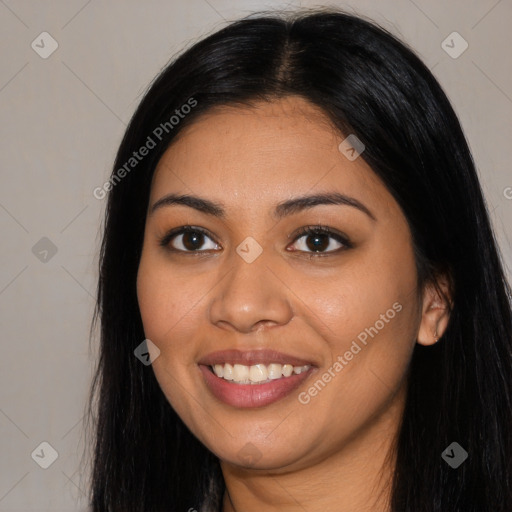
(62, 119)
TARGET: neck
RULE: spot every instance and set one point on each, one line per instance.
(355, 477)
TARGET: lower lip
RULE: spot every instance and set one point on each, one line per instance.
(252, 395)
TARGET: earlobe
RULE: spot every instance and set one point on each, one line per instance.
(436, 310)
(433, 325)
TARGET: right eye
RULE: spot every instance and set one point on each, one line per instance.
(190, 238)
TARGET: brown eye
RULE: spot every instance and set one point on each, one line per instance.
(187, 239)
(320, 240)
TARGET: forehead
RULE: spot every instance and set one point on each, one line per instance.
(270, 150)
(290, 123)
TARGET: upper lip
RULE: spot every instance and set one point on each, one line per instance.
(251, 357)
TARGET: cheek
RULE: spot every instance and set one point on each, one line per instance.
(369, 363)
(167, 311)
(368, 317)
(154, 297)
(165, 299)
(368, 294)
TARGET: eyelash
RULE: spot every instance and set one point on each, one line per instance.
(306, 230)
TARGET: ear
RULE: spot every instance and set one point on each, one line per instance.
(436, 307)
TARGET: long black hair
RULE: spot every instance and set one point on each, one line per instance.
(372, 85)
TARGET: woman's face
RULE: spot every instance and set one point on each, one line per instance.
(344, 306)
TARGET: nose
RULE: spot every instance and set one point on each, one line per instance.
(251, 297)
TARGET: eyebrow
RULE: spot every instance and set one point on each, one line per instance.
(283, 209)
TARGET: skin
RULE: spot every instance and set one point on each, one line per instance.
(334, 452)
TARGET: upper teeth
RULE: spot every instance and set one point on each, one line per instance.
(257, 373)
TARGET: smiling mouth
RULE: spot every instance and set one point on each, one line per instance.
(257, 373)
(246, 393)
(253, 378)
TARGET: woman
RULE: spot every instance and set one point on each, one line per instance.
(296, 240)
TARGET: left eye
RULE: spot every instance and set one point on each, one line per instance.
(320, 240)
